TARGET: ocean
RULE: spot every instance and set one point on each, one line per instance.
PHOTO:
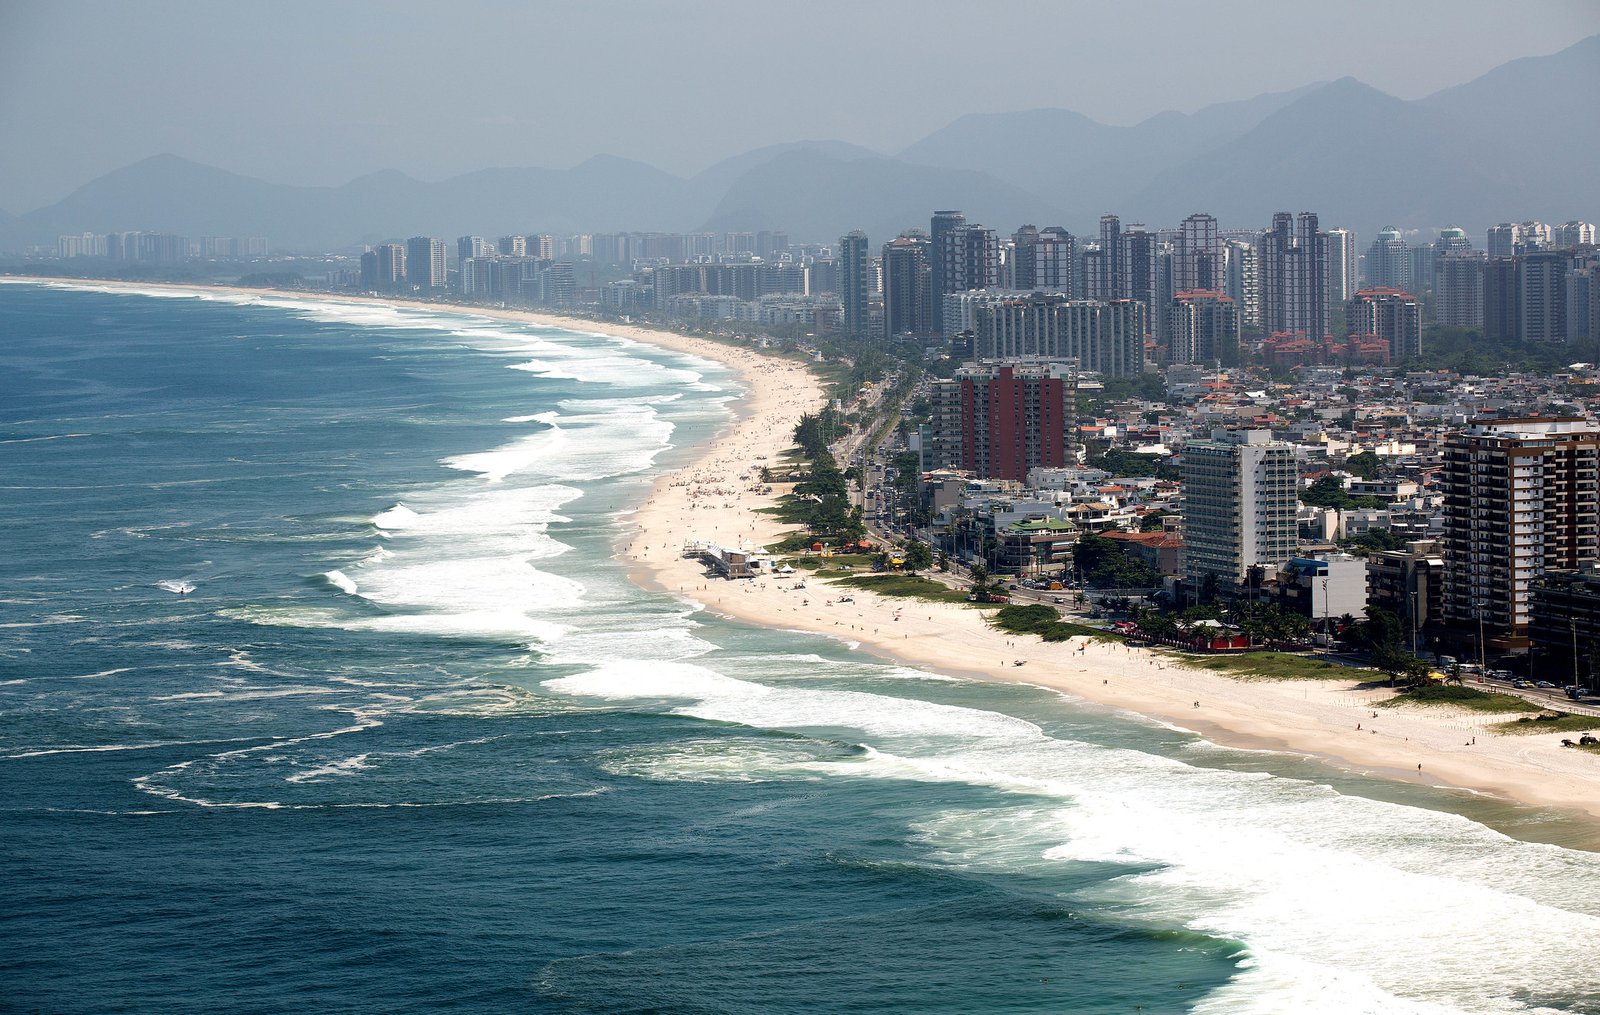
(320, 689)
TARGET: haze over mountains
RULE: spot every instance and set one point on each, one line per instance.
(1518, 142)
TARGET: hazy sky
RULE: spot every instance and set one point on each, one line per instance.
(319, 92)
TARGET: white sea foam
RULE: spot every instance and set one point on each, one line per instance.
(397, 517)
(1346, 904)
(340, 581)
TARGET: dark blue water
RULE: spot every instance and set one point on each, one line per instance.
(320, 689)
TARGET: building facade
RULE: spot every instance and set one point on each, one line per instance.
(1240, 498)
(1521, 497)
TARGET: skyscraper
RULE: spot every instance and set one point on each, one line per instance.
(1341, 265)
(907, 293)
(855, 281)
(1572, 234)
(1502, 300)
(1503, 240)
(1519, 499)
(1203, 327)
(1390, 314)
(425, 264)
(1103, 336)
(514, 246)
(1240, 497)
(472, 246)
(1012, 417)
(1111, 253)
(383, 267)
(1294, 294)
(1542, 296)
(1243, 282)
(1024, 258)
(1198, 261)
(1458, 290)
(941, 258)
(1389, 261)
(1054, 254)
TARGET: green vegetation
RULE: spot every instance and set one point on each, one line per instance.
(820, 499)
(1367, 465)
(1104, 566)
(1549, 722)
(1125, 463)
(1044, 622)
(1329, 492)
(903, 585)
(844, 563)
(1467, 351)
(1373, 540)
(1278, 666)
(1461, 697)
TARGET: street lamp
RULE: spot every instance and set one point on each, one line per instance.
(1413, 624)
(1324, 613)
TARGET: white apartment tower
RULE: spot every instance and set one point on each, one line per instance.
(1341, 268)
(1240, 497)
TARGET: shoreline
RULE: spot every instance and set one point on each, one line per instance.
(710, 497)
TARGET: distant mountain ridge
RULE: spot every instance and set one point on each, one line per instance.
(1516, 142)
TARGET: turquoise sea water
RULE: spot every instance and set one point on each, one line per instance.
(320, 689)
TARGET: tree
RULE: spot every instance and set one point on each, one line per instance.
(1367, 465)
(918, 557)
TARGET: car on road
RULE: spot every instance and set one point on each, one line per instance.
(1544, 685)
(1520, 683)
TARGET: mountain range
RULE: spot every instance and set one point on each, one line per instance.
(1518, 142)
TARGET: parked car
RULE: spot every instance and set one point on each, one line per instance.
(1544, 684)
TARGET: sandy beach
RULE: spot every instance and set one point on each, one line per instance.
(712, 498)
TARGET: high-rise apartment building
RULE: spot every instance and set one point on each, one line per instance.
(1542, 295)
(1140, 268)
(1583, 305)
(1572, 234)
(1012, 417)
(1055, 252)
(1103, 336)
(1502, 300)
(1294, 293)
(907, 287)
(1503, 240)
(1024, 261)
(1388, 314)
(1203, 327)
(1240, 497)
(472, 246)
(1198, 262)
(1111, 271)
(1521, 496)
(515, 246)
(1243, 282)
(941, 244)
(1388, 261)
(425, 264)
(1458, 290)
(856, 281)
(1340, 269)
(383, 268)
